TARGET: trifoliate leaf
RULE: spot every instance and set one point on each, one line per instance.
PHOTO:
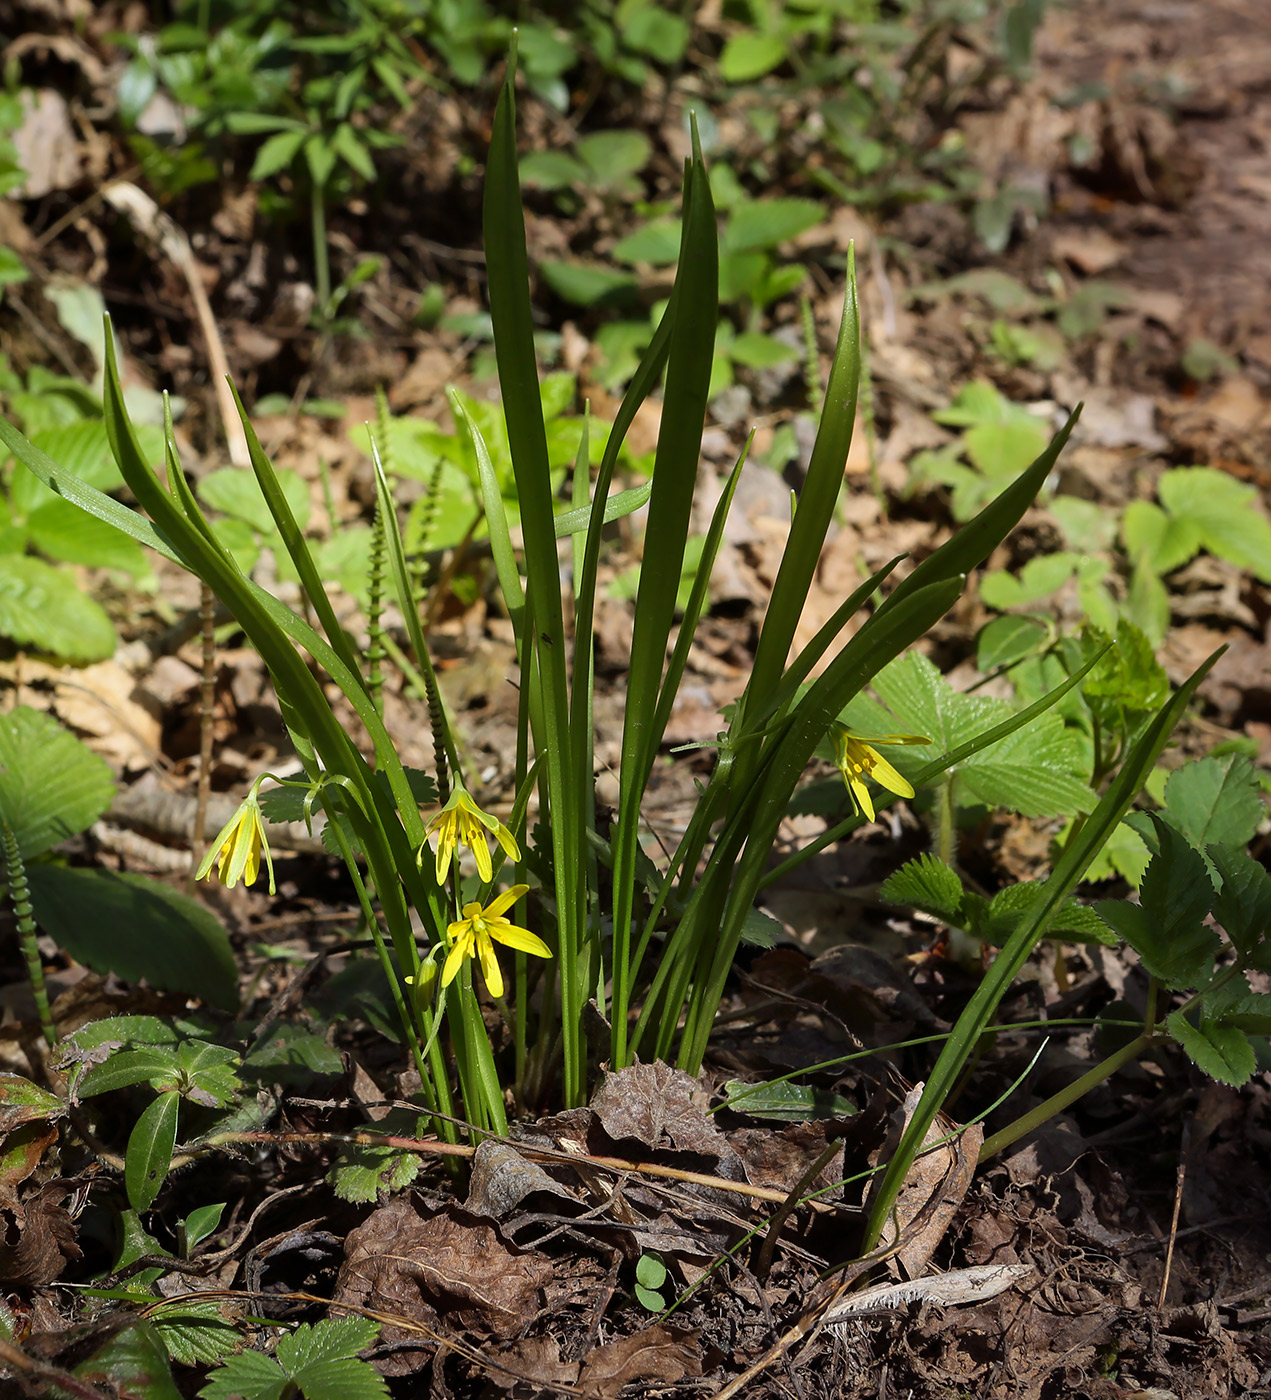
(1221, 1051)
(1167, 927)
(1156, 539)
(927, 883)
(322, 1360)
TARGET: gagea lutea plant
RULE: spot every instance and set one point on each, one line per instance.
(585, 915)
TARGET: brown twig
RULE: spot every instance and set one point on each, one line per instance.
(1178, 1205)
(48, 1376)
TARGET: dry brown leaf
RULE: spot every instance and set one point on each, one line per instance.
(658, 1106)
(934, 1188)
(451, 1272)
(659, 1353)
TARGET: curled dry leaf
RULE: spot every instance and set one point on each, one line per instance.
(937, 1182)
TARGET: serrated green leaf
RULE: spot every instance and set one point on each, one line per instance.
(43, 609)
(786, 1102)
(1225, 514)
(137, 928)
(1072, 921)
(247, 1376)
(1215, 800)
(1166, 927)
(149, 1152)
(1032, 770)
(51, 785)
(927, 883)
(133, 1365)
(363, 1173)
(81, 447)
(1235, 1005)
(1222, 1052)
(194, 1333)
(1243, 904)
(321, 1360)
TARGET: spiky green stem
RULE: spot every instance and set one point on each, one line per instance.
(20, 897)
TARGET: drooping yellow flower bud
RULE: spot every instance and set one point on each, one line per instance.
(857, 759)
(237, 849)
(462, 823)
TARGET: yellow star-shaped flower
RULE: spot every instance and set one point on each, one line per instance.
(480, 929)
(237, 849)
(857, 759)
(462, 823)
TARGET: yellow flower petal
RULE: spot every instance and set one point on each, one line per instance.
(519, 938)
(886, 776)
(490, 966)
(461, 948)
(860, 795)
(502, 903)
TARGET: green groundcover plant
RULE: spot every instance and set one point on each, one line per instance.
(569, 912)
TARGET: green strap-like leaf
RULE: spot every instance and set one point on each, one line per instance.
(694, 312)
(507, 269)
(817, 500)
